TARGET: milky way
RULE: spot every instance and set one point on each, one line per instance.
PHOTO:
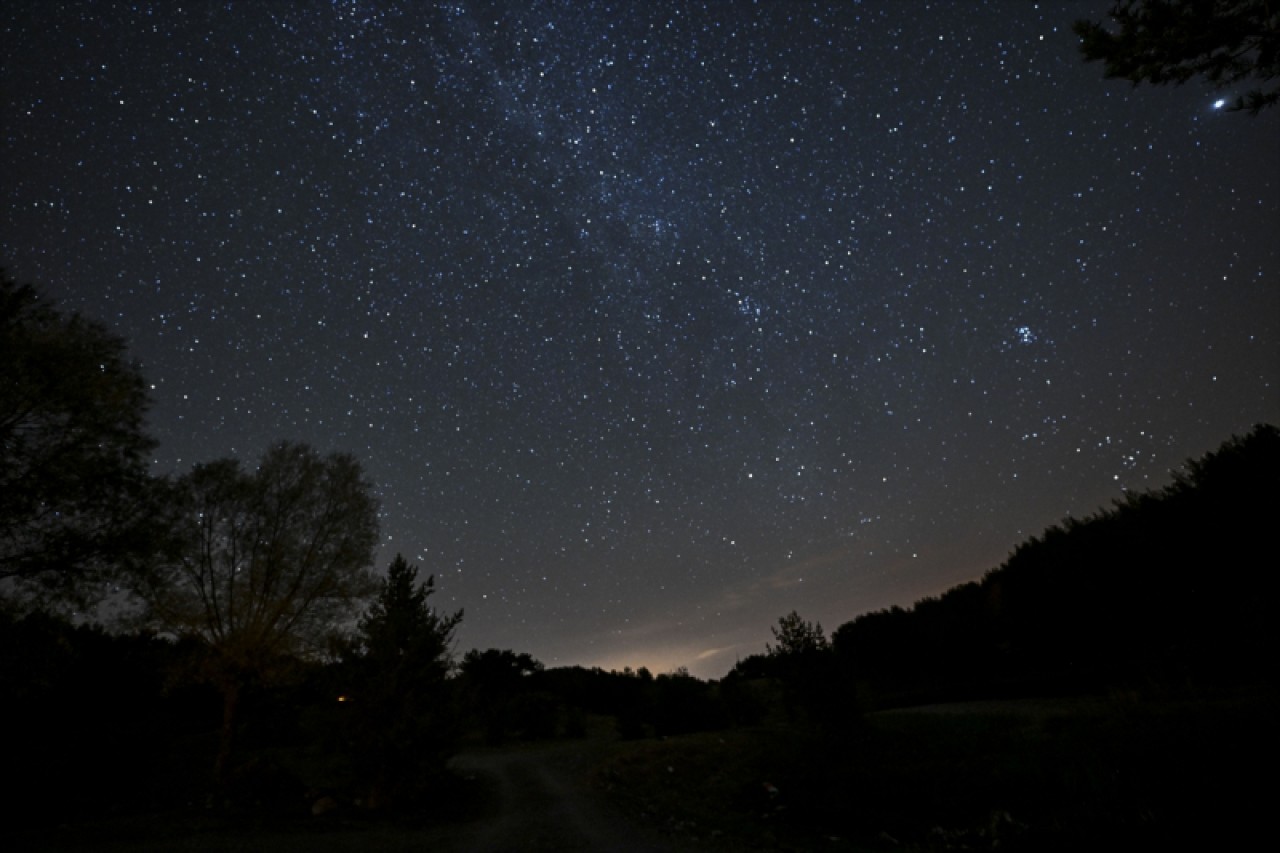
(652, 321)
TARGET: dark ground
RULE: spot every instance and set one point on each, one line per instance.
(521, 798)
(1118, 772)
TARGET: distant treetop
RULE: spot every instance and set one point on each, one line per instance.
(795, 636)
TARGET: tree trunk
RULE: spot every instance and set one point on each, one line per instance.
(230, 709)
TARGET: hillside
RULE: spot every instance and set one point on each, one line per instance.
(1169, 587)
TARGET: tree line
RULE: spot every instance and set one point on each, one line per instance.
(1170, 588)
(259, 624)
(253, 616)
(234, 579)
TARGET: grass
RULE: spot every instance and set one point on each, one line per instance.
(177, 811)
(198, 829)
(1010, 776)
(1120, 773)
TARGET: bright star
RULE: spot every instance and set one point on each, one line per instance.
(1220, 103)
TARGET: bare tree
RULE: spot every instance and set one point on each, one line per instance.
(266, 564)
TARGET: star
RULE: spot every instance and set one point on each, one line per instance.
(560, 274)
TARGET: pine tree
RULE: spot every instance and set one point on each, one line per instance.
(402, 724)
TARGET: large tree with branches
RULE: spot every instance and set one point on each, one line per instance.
(74, 485)
(266, 565)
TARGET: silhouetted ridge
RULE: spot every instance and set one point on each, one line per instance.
(1170, 586)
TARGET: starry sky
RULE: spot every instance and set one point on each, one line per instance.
(653, 321)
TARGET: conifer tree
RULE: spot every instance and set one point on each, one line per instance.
(403, 714)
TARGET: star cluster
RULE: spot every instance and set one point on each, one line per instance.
(653, 321)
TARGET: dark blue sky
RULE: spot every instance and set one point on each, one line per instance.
(653, 321)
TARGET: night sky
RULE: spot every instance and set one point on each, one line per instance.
(653, 321)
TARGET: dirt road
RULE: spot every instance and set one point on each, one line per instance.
(544, 802)
(526, 798)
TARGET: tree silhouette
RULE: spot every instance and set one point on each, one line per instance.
(1226, 42)
(402, 722)
(91, 707)
(400, 624)
(1164, 588)
(266, 564)
(73, 455)
(499, 670)
(796, 637)
(803, 660)
(495, 679)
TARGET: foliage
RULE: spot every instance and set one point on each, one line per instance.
(400, 718)
(995, 776)
(495, 681)
(755, 666)
(1226, 42)
(684, 704)
(73, 453)
(400, 625)
(507, 693)
(805, 663)
(87, 718)
(498, 670)
(1164, 589)
(744, 695)
(266, 564)
(795, 636)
